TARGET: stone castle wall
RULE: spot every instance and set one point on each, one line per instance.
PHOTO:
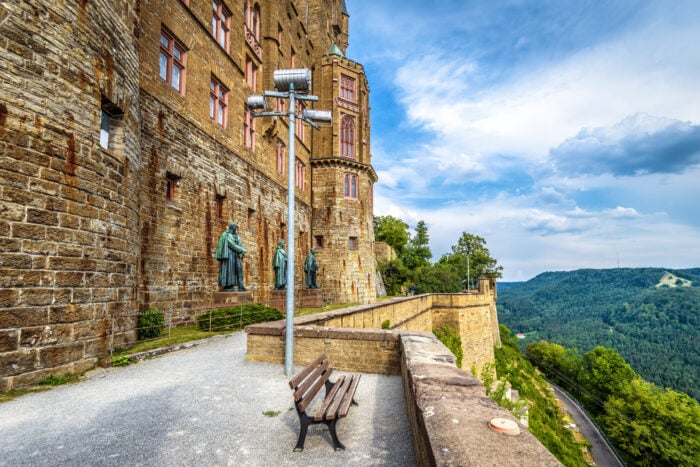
(89, 236)
(68, 207)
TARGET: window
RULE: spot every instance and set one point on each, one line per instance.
(220, 207)
(350, 186)
(105, 121)
(352, 243)
(347, 88)
(218, 101)
(171, 182)
(220, 23)
(299, 123)
(248, 128)
(299, 174)
(293, 57)
(252, 19)
(318, 241)
(251, 73)
(172, 62)
(280, 156)
(110, 125)
(347, 136)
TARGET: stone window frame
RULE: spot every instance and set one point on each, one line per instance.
(350, 188)
(218, 101)
(318, 241)
(347, 87)
(172, 181)
(347, 136)
(111, 120)
(221, 24)
(353, 244)
(173, 56)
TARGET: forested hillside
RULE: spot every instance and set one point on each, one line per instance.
(651, 316)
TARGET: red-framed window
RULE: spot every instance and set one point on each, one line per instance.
(347, 88)
(220, 23)
(248, 128)
(172, 61)
(251, 73)
(350, 186)
(171, 182)
(347, 136)
(299, 123)
(218, 101)
(280, 156)
(299, 174)
(252, 18)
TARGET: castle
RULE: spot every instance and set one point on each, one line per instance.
(127, 147)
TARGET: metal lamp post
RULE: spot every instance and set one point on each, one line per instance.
(291, 84)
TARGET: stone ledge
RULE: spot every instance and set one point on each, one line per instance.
(449, 413)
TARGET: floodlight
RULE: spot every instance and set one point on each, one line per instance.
(299, 78)
(317, 115)
(257, 101)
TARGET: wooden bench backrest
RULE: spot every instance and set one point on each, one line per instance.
(309, 381)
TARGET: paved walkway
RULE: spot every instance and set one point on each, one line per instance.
(199, 406)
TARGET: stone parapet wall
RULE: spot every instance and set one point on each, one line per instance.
(449, 413)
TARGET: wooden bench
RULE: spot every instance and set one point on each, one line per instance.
(335, 405)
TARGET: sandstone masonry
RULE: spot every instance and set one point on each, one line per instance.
(116, 181)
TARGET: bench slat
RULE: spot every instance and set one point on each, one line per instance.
(295, 381)
(309, 388)
(332, 411)
(347, 401)
(323, 412)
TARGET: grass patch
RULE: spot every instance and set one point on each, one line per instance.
(14, 393)
(271, 413)
(177, 336)
(58, 380)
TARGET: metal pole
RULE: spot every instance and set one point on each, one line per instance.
(289, 308)
(468, 276)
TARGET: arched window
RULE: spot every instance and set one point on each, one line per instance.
(350, 186)
(347, 137)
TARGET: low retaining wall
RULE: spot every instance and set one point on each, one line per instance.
(450, 413)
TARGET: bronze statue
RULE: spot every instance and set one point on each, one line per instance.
(279, 264)
(230, 252)
(310, 268)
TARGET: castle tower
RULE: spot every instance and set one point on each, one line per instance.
(342, 182)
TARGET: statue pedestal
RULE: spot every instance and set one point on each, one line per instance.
(304, 298)
(278, 299)
(311, 298)
(231, 298)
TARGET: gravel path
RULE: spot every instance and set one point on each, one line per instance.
(199, 406)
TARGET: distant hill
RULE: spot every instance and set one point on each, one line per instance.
(651, 316)
(500, 286)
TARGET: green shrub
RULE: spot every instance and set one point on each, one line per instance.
(452, 341)
(238, 317)
(150, 324)
(386, 324)
(121, 361)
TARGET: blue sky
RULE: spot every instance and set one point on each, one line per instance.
(567, 134)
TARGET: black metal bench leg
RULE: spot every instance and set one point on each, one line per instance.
(337, 445)
(304, 423)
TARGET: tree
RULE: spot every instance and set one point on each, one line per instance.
(480, 261)
(605, 373)
(392, 231)
(417, 252)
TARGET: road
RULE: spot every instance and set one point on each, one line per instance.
(603, 455)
